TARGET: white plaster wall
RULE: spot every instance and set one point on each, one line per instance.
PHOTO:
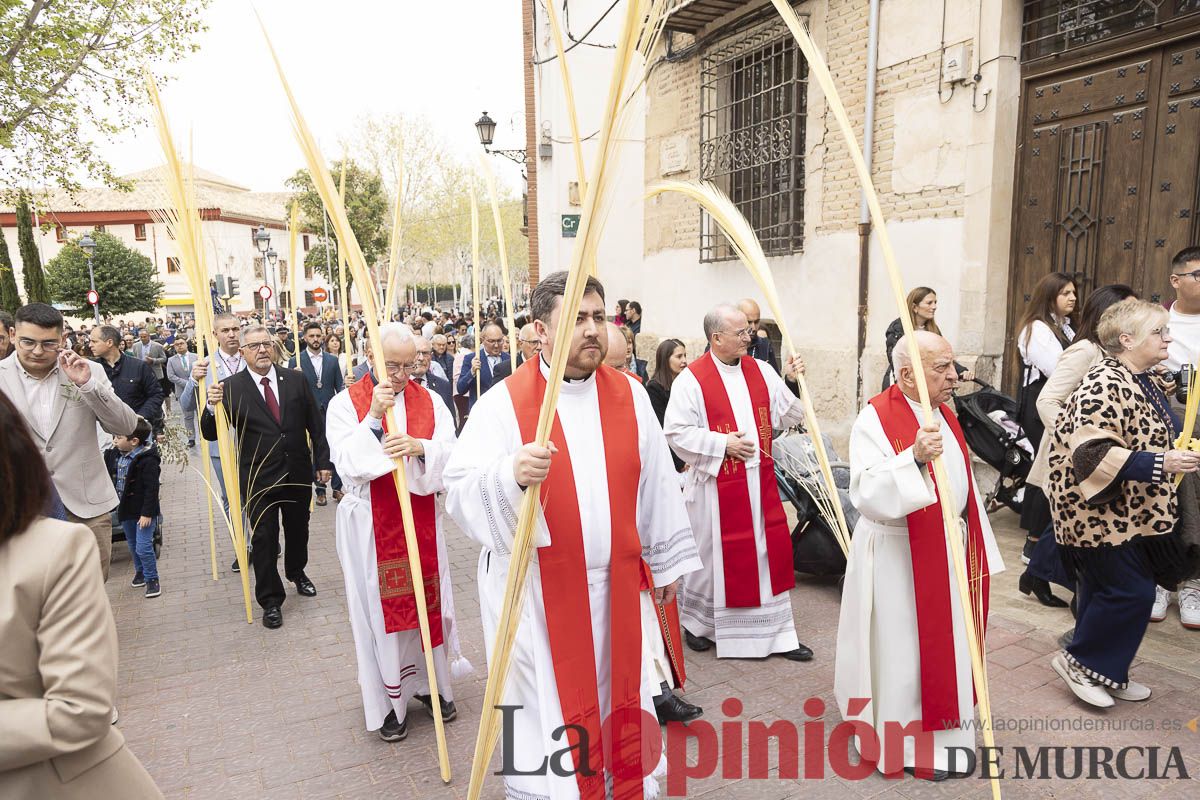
(590, 70)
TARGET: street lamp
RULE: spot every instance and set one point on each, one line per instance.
(262, 240)
(88, 245)
(272, 257)
(486, 127)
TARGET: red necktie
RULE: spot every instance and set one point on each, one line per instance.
(272, 403)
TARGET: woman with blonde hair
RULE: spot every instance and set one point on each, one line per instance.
(1114, 502)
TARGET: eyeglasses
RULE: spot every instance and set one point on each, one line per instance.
(1162, 332)
(531, 341)
(267, 345)
(1194, 273)
(743, 333)
(494, 341)
(46, 345)
(395, 369)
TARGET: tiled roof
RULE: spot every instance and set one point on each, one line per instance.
(212, 192)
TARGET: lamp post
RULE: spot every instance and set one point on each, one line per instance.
(88, 245)
(262, 240)
(486, 127)
(272, 258)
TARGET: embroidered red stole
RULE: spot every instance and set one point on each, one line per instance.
(391, 550)
(932, 570)
(565, 588)
(738, 549)
(668, 628)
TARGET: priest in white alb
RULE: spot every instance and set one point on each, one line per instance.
(903, 664)
(723, 412)
(370, 535)
(611, 524)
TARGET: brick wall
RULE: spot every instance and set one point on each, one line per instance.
(832, 201)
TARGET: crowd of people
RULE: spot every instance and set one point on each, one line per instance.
(668, 530)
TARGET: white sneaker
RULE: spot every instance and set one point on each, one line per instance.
(1162, 599)
(1133, 691)
(1189, 606)
(1085, 687)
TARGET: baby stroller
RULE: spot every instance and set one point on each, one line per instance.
(989, 424)
(815, 549)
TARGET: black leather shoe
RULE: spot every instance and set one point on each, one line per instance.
(928, 774)
(393, 731)
(801, 653)
(304, 586)
(449, 710)
(697, 643)
(273, 617)
(674, 708)
(1040, 589)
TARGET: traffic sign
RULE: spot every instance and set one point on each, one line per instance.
(93, 297)
(264, 292)
(320, 295)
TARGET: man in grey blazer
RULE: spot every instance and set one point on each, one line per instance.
(154, 354)
(179, 372)
(62, 397)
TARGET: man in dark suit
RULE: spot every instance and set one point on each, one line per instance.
(272, 410)
(132, 380)
(528, 346)
(424, 377)
(492, 357)
(324, 377)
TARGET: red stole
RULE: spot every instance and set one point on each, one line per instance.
(668, 628)
(932, 570)
(738, 548)
(391, 551)
(565, 589)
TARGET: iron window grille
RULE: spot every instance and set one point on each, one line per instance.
(1055, 26)
(753, 105)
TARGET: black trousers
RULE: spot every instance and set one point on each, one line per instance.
(291, 504)
(1115, 595)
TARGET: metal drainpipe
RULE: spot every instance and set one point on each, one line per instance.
(864, 214)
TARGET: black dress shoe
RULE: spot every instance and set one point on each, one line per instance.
(673, 708)
(393, 731)
(697, 643)
(449, 710)
(928, 774)
(273, 617)
(304, 586)
(801, 653)
(1040, 589)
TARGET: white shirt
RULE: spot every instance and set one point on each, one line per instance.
(1185, 335)
(232, 365)
(1041, 349)
(272, 377)
(316, 359)
(39, 395)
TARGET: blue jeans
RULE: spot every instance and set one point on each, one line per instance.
(141, 547)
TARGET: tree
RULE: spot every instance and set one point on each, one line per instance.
(31, 261)
(71, 70)
(367, 208)
(10, 299)
(125, 279)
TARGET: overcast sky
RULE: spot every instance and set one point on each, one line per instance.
(447, 61)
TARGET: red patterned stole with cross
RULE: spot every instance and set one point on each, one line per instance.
(739, 550)
(391, 551)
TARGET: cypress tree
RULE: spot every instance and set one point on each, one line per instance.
(10, 299)
(31, 263)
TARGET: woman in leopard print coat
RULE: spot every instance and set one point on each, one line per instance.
(1112, 493)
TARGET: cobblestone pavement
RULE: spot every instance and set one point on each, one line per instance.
(217, 708)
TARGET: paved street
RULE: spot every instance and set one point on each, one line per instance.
(216, 708)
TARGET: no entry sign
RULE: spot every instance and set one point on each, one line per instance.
(320, 295)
